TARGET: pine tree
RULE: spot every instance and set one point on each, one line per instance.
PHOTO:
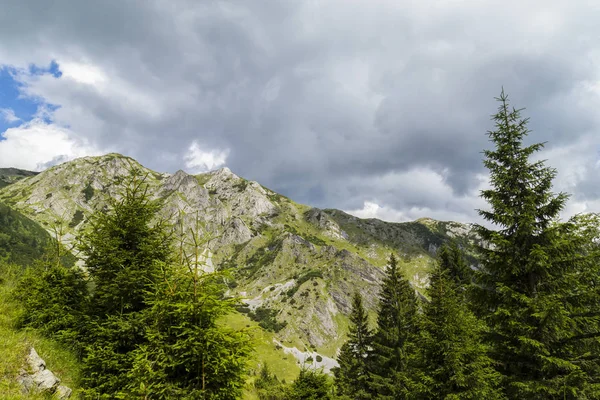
(394, 340)
(352, 377)
(453, 360)
(538, 277)
(123, 249)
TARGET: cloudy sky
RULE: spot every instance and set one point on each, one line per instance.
(377, 107)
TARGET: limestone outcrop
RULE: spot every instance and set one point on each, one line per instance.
(36, 378)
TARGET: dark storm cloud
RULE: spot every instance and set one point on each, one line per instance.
(332, 103)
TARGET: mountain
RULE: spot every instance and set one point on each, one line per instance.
(296, 266)
(11, 175)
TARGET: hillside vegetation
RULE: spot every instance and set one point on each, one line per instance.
(204, 287)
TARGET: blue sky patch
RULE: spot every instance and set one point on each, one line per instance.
(23, 107)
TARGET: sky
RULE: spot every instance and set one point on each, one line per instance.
(379, 107)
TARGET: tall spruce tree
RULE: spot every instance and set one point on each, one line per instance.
(353, 377)
(538, 277)
(124, 247)
(452, 260)
(453, 361)
(394, 340)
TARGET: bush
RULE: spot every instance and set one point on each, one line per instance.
(266, 319)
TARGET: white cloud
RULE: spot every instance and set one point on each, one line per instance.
(198, 160)
(83, 73)
(9, 115)
(374, 210)
(37, 145)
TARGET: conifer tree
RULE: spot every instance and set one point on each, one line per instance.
(53, 297)
(310, 385)
(124, 246)
(452, 261)
(538, 277)
(394, 340)
(452, 358)
(267, 386)
(188, 353)
(352, 377)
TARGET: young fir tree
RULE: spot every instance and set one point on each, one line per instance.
(53, 296)
(310, 385)
(189, 354)
(267, 386)
(536, 293)
(123, 249)
(394, 340)
(352, 377)
(453, 360)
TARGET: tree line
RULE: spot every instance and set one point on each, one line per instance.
(524, 323)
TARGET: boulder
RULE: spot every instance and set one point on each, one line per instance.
(39, 379)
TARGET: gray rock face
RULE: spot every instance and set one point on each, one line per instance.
(39, 379)
(304, 263)
(320, 219)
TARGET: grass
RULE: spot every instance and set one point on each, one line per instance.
(15, 343)
(283, 365)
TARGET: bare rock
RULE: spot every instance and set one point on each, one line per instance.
(39, 379)
(63, 392)
(35, 362)
(45, 381)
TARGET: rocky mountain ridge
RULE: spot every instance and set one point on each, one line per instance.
(295, 266)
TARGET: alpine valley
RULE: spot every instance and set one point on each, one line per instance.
(295, 267)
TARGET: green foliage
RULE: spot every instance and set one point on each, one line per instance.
(262, 257)
(11, 175)
(77, 218)
(310, 385)
(189, 355)
(53, 297)
(123, 249)
(241, 185)
(353, 376)
(453, 360)
(453, 262)
(266, 318)
(394, 341)
(15, 343)
(301, 279)
(88, 192)
(306, 236)
(268, 387)
(21, 240)
(538, 277)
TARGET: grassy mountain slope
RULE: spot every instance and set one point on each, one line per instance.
(21, 239)
(11, 175)
(296, 266)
